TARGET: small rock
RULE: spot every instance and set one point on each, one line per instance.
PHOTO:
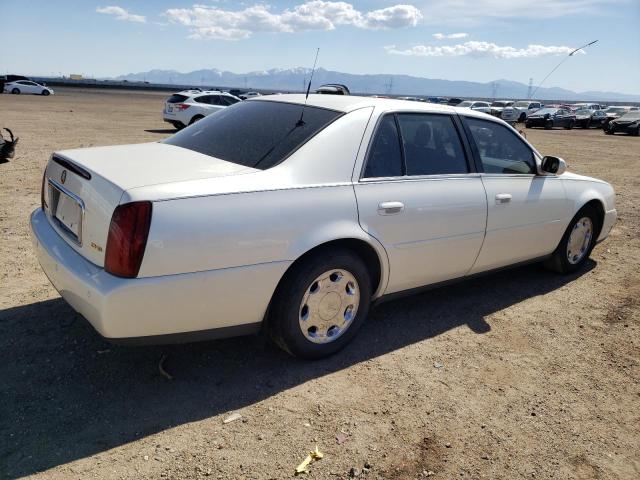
(485, 456)
(354, 472)
(341, 438)
(428, 473)
(146, 457)
(261, 436)
(232, 418)
(367, 465)
(438, 365)
(307, 424)
(448, 445)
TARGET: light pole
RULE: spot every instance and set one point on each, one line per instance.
(561, 62)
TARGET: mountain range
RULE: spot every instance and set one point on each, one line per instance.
(295, 79)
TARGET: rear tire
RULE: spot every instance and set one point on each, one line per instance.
(16, 91)
(522, 117)
(577, 242)
(569, 126)
(195, 119)
(46, 93)
(304, 326)
(548, 125)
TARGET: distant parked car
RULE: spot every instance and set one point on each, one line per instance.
(588, 106)
(616, 112)
(590, 118)
(247, 95)
(627, 123)
(27, 86)
(519, 111)
(189, 106)
(498, 106)
(333, 89)
(551, 117)
(454, 102)
(484, 107)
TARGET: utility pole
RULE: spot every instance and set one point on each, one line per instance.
(530, 89)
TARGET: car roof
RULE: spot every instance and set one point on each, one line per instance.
(349, 103)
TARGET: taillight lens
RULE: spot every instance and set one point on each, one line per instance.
(182, 106)
(127, 239)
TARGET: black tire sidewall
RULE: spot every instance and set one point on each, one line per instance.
(284, 316)
(16, 91)
(560, 255)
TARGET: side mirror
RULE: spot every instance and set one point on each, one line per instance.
(553, 165)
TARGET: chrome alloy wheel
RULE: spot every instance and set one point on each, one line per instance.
(579, 240)
(329, 306)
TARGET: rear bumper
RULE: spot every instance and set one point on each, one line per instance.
(166, 309)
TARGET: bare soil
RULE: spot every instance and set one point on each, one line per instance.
(521, 374)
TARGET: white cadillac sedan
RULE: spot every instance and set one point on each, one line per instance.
(296, 218)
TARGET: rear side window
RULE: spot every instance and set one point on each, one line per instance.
(385, 156)
(227, 100)
(177, 98)
(500, 149)
(256, 134)
(431, 145)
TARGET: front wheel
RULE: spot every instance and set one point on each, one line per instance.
(321, 304)
(16, 91)
(548, 125)
(569, 126)
(577, 242)
(46, 93)
(195, 119)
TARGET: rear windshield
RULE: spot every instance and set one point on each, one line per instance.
(633, 115)
(256, 134)
(177, 98)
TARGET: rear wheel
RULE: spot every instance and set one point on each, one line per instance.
(548, 125)
(16, 91)
(320, 304)
(637, 132)
(522, 117)
(195, 119)
(577, 242)
(569, 126)
(46, 93)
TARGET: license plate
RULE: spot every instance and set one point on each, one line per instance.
(66, 209)
(169, 108)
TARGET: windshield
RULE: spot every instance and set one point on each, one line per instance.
(634, 115)
(465, 104)
(500, 104)
(544, 111)
(584, 111)
(615, 110)
(256, 134)
(522, 104)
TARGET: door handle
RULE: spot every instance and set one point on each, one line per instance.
(390, 208)
(503, 198)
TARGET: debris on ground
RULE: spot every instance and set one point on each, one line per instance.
(438, 365)
(163, 372)
(232, 418)
(304, 465)
(341, 438)
(7, 147)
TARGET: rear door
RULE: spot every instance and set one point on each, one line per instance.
(527, 213)
(419, 196)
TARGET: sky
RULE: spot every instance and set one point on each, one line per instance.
(474, 40)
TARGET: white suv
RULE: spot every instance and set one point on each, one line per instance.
(189, 106)
(519, 111)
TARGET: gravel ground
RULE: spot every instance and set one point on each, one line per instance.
(521, 374)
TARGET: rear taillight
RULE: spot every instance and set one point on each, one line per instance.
(181, 106)
(127, 239)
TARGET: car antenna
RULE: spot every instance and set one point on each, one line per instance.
(301, 121)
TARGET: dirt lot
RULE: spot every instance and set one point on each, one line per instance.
(523, 374)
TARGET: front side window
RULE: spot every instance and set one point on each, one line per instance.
(500, 149)
(385, 156)
(256, 134)
(431, 145)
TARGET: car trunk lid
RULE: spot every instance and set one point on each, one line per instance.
(83, 187)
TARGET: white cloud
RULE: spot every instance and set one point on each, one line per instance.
(217, 23)
(478, 12)
(442, 36)
(480, 49)
(121, 14)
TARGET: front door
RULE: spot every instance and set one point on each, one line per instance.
(527, 213)
(419, 197)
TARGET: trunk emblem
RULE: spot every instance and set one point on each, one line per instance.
(63, 176)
